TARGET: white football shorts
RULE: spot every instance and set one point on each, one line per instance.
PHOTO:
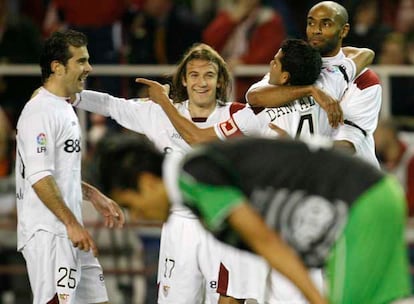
(243, 275)
(188, 263)
(61, 273)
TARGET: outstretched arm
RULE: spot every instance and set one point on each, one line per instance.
(268, 244)
(188, 130)
(112, 213)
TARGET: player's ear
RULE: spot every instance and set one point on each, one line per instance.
(345, 30)
(56, 67)
(284, 78)
(184, 82)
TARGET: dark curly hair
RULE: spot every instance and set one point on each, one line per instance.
(301, 61)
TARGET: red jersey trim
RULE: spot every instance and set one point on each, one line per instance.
(235, 107)
(223, 280)
(229, 127)
(367, 79)
(54, 300)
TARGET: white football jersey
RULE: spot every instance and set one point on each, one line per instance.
(146, 117)
(361, 105)
(48, 143)
(360, 101)
(301, 118)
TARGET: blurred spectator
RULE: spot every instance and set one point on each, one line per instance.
(204, 10)
(159, 32)
(7, 187)
(396, 156)
(35, 10)
(387, 8)
(405, 16)
(394, 52)
(98, 129)
(410, 47)
(285, 9)
(20, 42)
(367, 29)
(246, 32)
(100, 21)
(393, 49)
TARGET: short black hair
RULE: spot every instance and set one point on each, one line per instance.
(122, 158)
(56, 47)
(301, 60)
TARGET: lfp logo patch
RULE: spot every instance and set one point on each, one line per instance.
(41, 143)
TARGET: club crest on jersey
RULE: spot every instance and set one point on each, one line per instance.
(63, 298)
(41, 143)
(332, 69)
(165, 290)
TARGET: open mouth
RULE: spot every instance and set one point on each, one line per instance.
(201, 92)
(82, 79)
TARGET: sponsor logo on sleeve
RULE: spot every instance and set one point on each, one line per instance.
(41, 143)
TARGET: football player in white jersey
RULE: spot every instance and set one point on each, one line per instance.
(60, 254)
(296, 63)
(327, 26)
(188, 261)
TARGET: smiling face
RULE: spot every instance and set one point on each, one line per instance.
(325, 29)
(67, 79)
(76, 70)
(201, 82)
